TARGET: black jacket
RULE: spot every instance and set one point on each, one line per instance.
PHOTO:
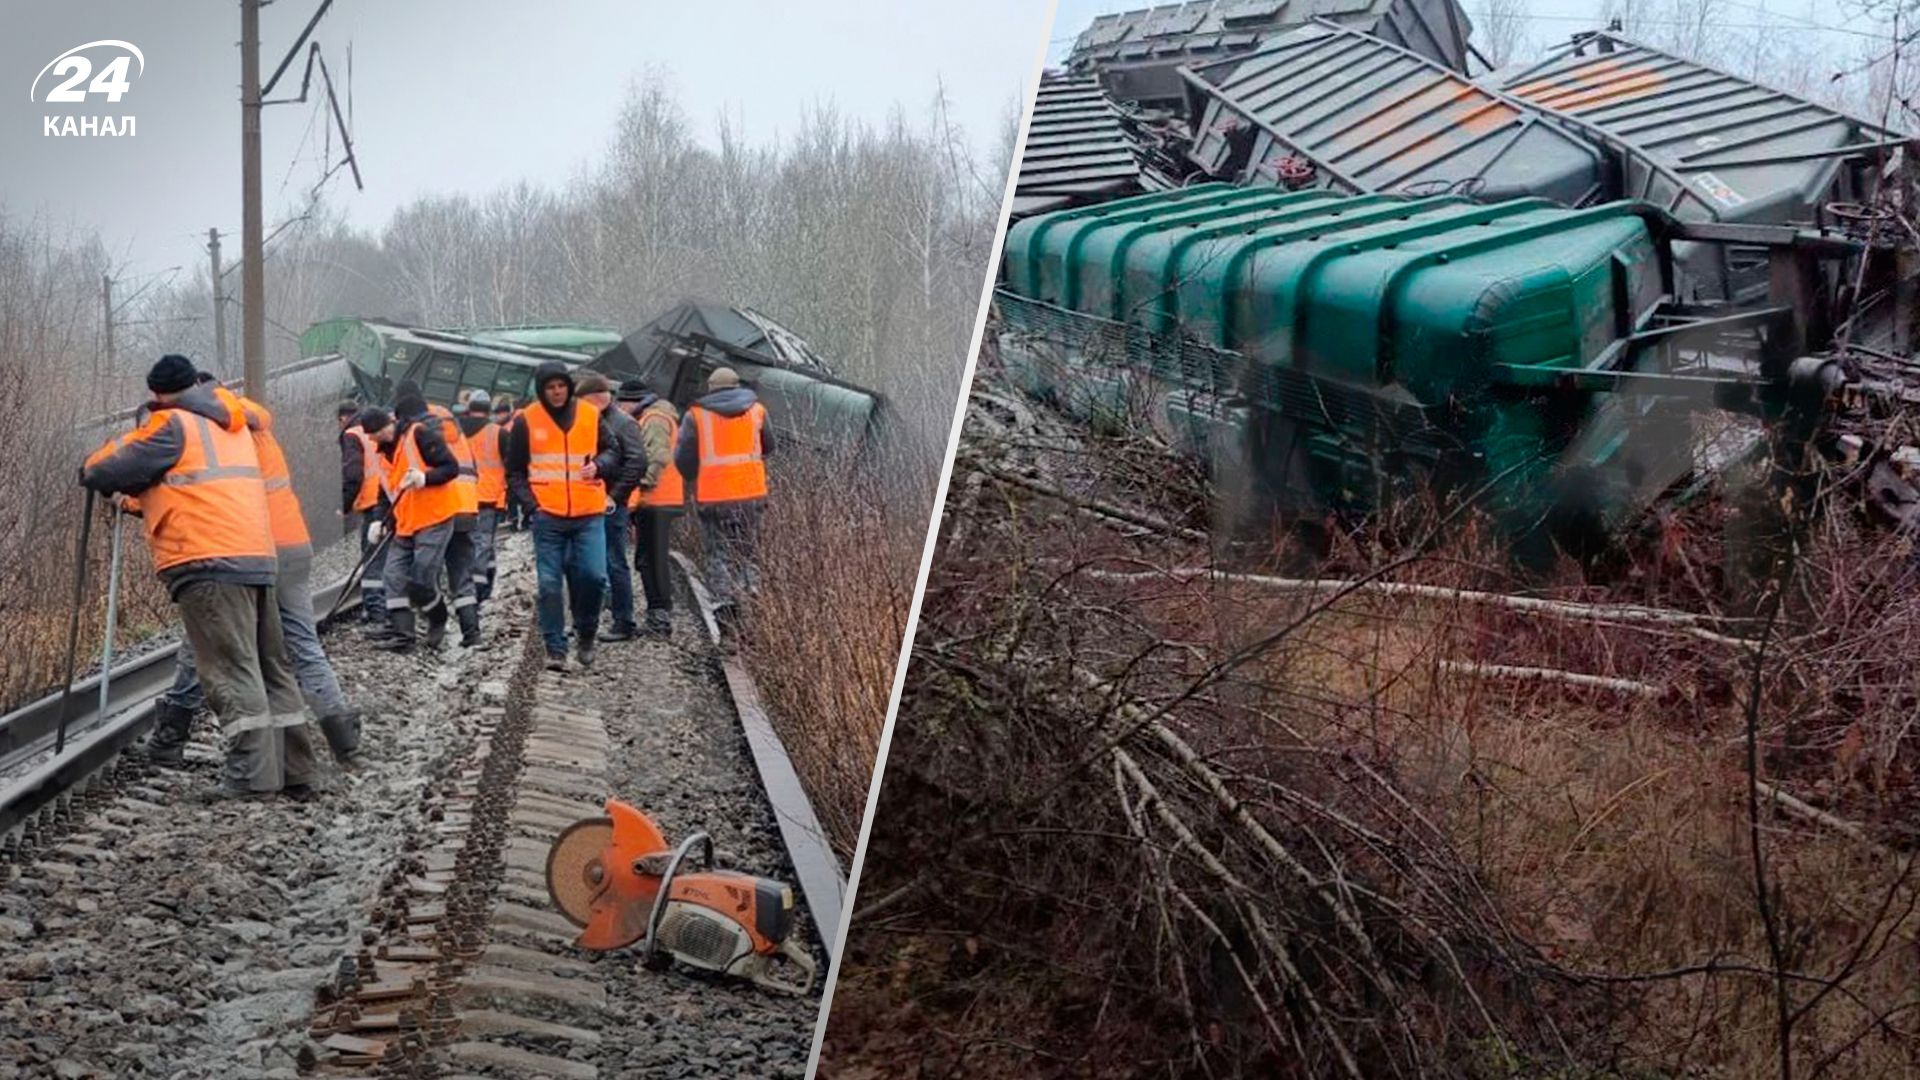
(516, 455)
(353, 469)
(632, 451)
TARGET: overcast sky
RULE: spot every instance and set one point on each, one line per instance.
(459, 95)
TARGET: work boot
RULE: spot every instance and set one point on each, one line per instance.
(373, 609)
(470, 626)
(171, 728)
(556, 661)
(400, 622)
(437, 624)
(659, 625)
(342, 731)
(222, 792)
(620, 633)
(583, 652)
(300, 793)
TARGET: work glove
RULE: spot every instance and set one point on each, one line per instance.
(413, 479)
(376, 532)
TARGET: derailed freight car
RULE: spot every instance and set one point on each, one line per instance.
(1599, 119)
(1329, 354)
(806, 403)
(1705, 144)
(808, 406)
(1137, 55)
(1330, 106)
(448, 364)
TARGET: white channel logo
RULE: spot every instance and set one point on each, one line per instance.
(71, 78)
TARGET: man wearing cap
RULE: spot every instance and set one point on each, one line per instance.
(657, 503)
(595, 390)
(557, 453)
(476, 423)
(194, 469)
(721, 451)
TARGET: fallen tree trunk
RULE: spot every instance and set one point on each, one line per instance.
(1687, 622)
(1553, 675)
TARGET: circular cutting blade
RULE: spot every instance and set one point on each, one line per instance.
(573, 867)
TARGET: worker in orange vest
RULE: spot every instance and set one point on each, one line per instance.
(362, 503)
(656, 503)
(557, 452)
(476, 423)
(194, 468)
(293, 591)
(721, 452)
(433, 518)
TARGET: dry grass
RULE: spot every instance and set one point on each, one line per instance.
(823, 635)
(1557, 879)
(53, 381)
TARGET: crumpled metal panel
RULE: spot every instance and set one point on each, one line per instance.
(1137, 54)
(1371, 116)
(1704, 144)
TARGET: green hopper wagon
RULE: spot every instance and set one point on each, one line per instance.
(1328, 354)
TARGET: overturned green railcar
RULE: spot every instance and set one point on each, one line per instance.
(1332, 354)
(806, 403)
(673, 355)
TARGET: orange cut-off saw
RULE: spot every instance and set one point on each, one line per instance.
(618, 879)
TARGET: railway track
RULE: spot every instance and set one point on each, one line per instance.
(414, 936)
(38, 790)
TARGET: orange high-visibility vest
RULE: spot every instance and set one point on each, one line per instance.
(368, 496)
(422, 507)
(671, 489)
(289, 525)
(468, 482)
(554, 458)
(732, 467)
(211, 504)
(486, 459)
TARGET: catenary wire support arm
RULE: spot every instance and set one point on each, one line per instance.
(315, 59)
(293, 52)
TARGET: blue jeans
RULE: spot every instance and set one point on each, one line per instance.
(569, 552)
(619, 574)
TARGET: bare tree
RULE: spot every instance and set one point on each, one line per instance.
(1503, 27)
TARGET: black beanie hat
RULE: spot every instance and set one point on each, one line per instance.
(633, 390)
(372, 419)
(171, 374)
(408, 406)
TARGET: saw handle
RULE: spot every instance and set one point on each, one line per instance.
(650, 946)
(800, 956)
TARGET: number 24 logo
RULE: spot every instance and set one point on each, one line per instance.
(112, 81)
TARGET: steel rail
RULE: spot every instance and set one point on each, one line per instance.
(822, 880)
(95, 740)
